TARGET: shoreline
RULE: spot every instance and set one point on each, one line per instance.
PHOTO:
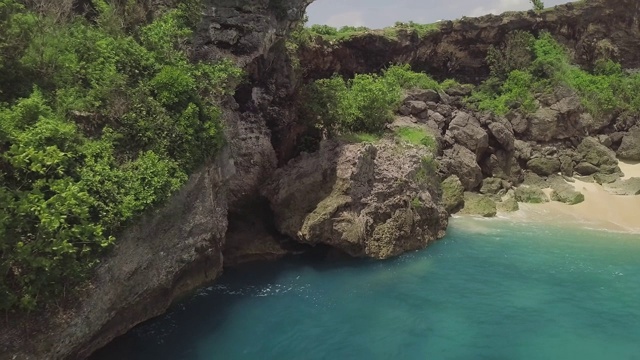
(601, 210)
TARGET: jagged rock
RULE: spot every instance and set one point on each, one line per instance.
(585, 169)
(518, 122)
(459, 90)
(491, 186)
(605, 140)
(477, 204)
(523, 150)
(566, 165)
(591, 124)
(533, 179)
(563, 192)
(452, 194)
(544, 166)
(416, 107)
(530, 194)
(543, 125)
(503, 134)
(502, 165)
(593, 152)
(624, 187)
(360, 198)
(424, 95)
(630, 147)
(466, 131)
(461, 161)
(602, 178)
(510, 204)
(440, 120)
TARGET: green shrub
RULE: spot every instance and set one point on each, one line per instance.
(363, 104)
(417, 136)
(543, 64)
(109, 124)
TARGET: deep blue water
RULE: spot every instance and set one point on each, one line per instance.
(490, 290)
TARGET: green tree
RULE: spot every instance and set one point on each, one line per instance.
(537, 4)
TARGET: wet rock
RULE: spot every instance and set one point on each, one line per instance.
(491, 186)
(478, 204)
(452, 194)
(530, 194)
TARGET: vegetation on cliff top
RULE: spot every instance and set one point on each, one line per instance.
(365, 103)
(100, 120)
(525, 67)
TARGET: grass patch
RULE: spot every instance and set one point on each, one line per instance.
(416, 136)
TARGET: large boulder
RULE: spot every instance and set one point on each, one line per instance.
(363, 199)
(467, 131)
(630, 147)
(478, 204)
(503, 132)
(452, 194)
(544, 166)
(530, 194)
(563, 192)
(461, 162)
(593, 152)
(543, 125)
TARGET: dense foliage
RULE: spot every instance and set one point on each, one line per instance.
(330, 33)
(525, 67)
(365, 103)
(99, 121)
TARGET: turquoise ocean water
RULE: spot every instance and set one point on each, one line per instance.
(491, 289)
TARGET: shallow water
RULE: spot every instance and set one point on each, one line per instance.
(491, 289)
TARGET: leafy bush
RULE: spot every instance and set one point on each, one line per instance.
(417, 136)
(103, 125)
(525, 67)
(365, 103)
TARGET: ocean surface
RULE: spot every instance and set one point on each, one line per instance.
(491, 289)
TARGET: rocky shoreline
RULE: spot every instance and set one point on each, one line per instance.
(260, 199)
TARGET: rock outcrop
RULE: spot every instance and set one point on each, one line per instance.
(362, 198)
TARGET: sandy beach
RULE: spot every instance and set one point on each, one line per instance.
(600, 210)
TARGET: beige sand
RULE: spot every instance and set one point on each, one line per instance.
(629, 169)
(600, 210)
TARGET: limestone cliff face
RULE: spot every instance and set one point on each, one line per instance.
(458, 49)
(375, 200)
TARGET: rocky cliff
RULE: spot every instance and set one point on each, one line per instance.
(458, 48)
(375, 200)
(178, 247)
